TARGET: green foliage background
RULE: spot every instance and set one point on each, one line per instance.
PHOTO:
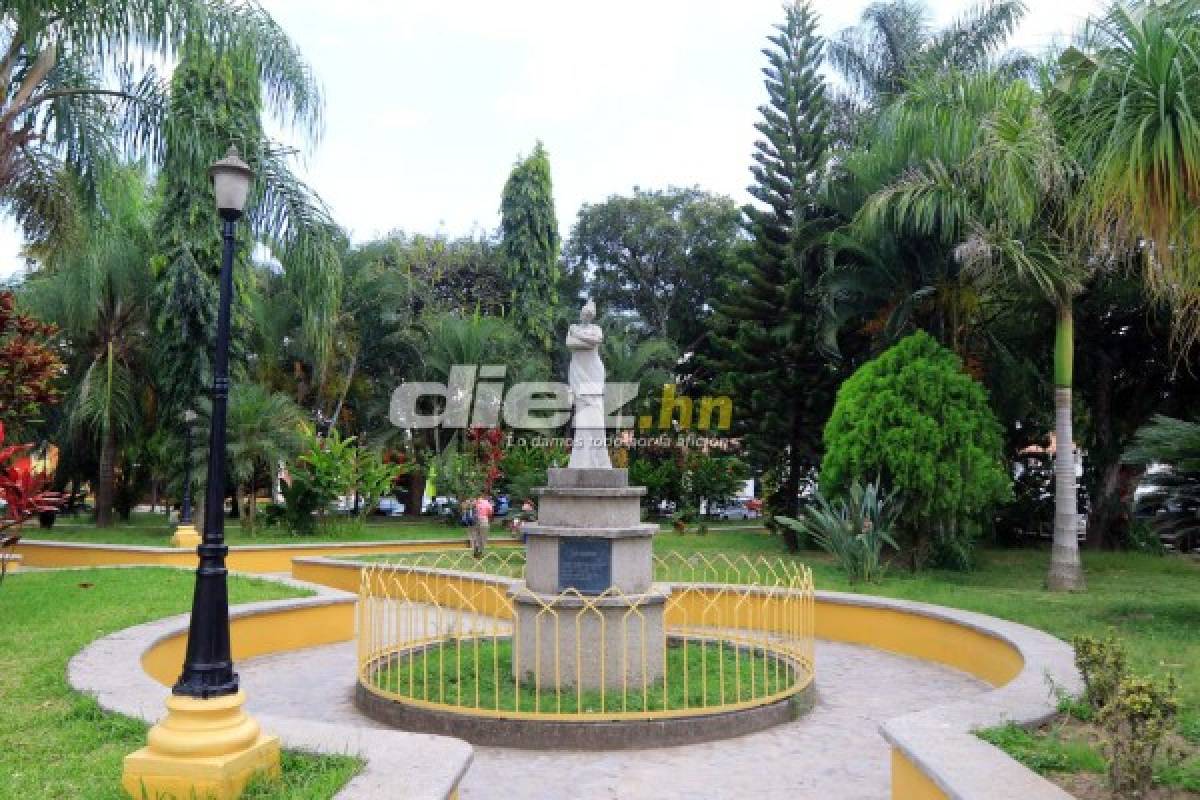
(913, 418)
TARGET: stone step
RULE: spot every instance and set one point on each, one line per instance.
(585, 508)
(587, 478)
(566, 531)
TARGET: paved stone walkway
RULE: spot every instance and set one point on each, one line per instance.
(833, 753)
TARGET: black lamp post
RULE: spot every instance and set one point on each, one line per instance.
(185, 510)
(208, 665)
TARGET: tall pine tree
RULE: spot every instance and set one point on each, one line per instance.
(218, 96)
(530, 247)
(768, 332)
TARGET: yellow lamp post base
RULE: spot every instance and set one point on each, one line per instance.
(185, 536)
(202, 749)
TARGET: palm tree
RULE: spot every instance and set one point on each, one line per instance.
(650, 363)
(451, 339)
(97, 292)
(1167, 440)
(894, 43)
(1129, 101)
(445, 340)
(264, 429)
(992, 184)
(70, 99)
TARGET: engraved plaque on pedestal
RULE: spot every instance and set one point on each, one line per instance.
(584, 564)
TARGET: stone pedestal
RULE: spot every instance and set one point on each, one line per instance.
(615, 642)
(588, 614)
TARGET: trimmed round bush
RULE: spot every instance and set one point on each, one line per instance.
(916, 421)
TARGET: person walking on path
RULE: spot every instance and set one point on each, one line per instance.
(479, 532)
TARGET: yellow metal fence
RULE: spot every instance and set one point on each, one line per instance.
(459, 634)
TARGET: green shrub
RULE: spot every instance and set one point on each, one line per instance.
(373, 478)
(1102, 663)
(524, 468)
(854, 530)
(913, 419)
(1136, 723)
(1143, 538)
(321, 474)
(1079, 709)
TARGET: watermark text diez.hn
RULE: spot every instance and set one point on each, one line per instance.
(475, 397)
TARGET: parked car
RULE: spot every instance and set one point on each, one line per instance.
(442, 506)
(390, 507)
(1171, 506)
(500, 506)
(735, 509)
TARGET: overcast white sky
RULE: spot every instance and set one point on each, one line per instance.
(429, 103)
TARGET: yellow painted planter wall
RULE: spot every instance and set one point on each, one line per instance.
(909, 783)
(261, 634)
(988, 658)
(54, 556)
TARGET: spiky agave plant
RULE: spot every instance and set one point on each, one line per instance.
(854, 530)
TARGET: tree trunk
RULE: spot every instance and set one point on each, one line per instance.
(105, 480)
(252, 509)
(789, 504)
(1107, 508)
(337, 409)
(1109, 519)
(416, 491)
(1066, 569)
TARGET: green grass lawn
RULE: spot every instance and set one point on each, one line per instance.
(153, 530)
(478, 674)
(146, 529)
(59, 743)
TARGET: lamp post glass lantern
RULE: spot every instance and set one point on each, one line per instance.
(208, 665)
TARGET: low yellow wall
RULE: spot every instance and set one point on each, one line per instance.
(484, 595)
(53, 555)
(261, 634)
(909, 783)
(243, 558)
(988, 658)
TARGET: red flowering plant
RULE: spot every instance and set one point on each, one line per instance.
(29, 366)
(23, 493)
(486, 444)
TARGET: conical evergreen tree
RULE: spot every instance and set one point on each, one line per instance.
(767, 336)
(530, 247)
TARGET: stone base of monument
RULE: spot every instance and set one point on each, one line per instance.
(589, 614)
(564, 641)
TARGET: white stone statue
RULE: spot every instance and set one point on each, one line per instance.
(586, 378)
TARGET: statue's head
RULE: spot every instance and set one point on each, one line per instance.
(588, 313)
